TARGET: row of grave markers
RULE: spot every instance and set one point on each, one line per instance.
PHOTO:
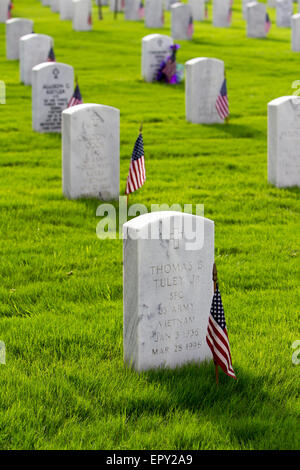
(166, 323)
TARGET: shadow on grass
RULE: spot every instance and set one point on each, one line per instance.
(242, 408)
(237, 130)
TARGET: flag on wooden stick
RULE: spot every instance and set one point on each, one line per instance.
(137, 172)
(217, 336)
(268, 23)
(10, 7)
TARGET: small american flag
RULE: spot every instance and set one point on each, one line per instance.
(222, 101)
(90, 19)
(10, 7)
(206, 12)
(141, 11)
(217, 337)
(51, 55)
(190, 27)
(137, 172)
(76, 98)
(268, 24)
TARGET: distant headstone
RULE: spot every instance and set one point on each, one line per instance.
(54, 5)
(244, 7)
(52, 89)
(154, 14)
(15, 29)
(296, 33)
(284, 11)
(66, 9)
(272, 3)
(82, 15)
(4, 4)
(168, 4)
(91, 151)
(118, 5)
(155, 49)
(132, 10)
(181, 21)
(34, 49)
(46, 3)
(204, 78)
(284, 141)
(256, 20)
(168, 290)
(198, 9)
(222, 13)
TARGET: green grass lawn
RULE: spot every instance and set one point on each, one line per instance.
(64, 385)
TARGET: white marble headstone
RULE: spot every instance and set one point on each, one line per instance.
(296, 33)
(181, 21)
(155, 49)
(52, 89)
(34, 49)
(198, 9)
(4, 4)
(154, 14)
(244, 7)
(82, 15)
(204, 78)
(15, 29)
(222, 13)
(118, 5)
(91, 151)
(54, 5)
(66, 9)
(284, 11)
(132, 10)
(284, 141)
(168, 291)
(256, 20)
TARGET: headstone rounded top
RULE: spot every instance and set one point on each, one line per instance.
(35, 36)
(177, 5)
(151, 37)
(283, 99)
(197, 60)
(88, 106)
(138, 224)
(296, 16)
(46, 65)
(17, 20)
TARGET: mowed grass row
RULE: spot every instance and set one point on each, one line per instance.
(64, 385)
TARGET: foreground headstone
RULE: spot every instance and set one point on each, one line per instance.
(52, 89)
(15, 29)
(181, 21)
(4, 4)
(154, 14)
(155, 49)
(222, 13)
(168, 290)
(198, 9)
(132, 10)
(204, 78)
(66, 9)
(82, 15)
(284, 141)
(91, 151)
(256, 20)
(284, 11)
(34, 49)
